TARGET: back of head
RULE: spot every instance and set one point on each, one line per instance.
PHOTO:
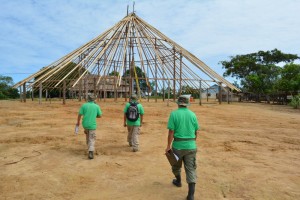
(91, 97)
(183, 100)
(133, 97)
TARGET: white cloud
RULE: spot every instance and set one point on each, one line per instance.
(36, 33)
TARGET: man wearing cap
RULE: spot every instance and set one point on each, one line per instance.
(133, 125)
(183, 126)
(90, 111)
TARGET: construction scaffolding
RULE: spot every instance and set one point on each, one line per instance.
(109, 63)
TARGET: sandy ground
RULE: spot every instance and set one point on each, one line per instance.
(246, 151)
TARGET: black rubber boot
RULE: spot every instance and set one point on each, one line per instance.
(177, 181)
(91, 154)
(191, 191)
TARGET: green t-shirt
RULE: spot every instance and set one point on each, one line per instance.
(90, 111)
(141, 112)
(184, 123)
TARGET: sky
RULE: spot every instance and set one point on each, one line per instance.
(35, 33)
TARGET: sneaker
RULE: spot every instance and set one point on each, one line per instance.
(135, 150)
(91, 154)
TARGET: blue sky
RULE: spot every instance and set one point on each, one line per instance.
(35, 33)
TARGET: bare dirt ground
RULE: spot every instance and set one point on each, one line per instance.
(245, 151)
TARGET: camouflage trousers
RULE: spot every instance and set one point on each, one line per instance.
(133, 137)
(90, 139)
(188, 157)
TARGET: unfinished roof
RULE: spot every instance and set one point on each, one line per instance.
(129, 43)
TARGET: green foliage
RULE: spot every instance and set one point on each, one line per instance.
(6, 90)
(140, 74)
(295, 103)
(114, 73)
(260, 74)
(290, 78)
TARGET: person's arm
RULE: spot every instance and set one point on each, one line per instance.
(78, 120)
(170, 140)
(142, 117)
(99, 112)
(196, 132)
(125, 120)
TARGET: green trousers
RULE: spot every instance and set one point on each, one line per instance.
(188, 157)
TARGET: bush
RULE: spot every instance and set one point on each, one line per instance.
(295, 103)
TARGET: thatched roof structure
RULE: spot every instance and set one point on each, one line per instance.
(129, 43)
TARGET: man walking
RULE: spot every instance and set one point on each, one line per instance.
(183, 127)
(133, 119)
(90, 111)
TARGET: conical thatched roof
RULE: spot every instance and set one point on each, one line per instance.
(129, 43)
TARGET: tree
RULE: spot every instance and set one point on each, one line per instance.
(6, 90)
(140, 74)
(114, 73)
(290, 78)
(258, 72)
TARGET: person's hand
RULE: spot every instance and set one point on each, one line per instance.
(167, 150)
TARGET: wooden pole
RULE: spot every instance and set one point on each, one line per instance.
(86, 88)
(174, 75)
(207, 94)
(64, 92)
(40, 93)
(21, 94)
(220, 93)
(32, 93)
(200, 93)
(163, 80)
(24, 92)
(228, 95)
(180, 74)
(169, 88)
(155, 60)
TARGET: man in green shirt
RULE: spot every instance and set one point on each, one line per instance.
(133, 119)
(90, 111)
(183, 127)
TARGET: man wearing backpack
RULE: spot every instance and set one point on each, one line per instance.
(90, 111)
(183, 127)
(133, 119)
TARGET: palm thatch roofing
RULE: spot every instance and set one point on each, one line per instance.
(129, 43)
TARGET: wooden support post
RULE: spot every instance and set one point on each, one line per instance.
(174, 76)
(115, 89)
(24, 92)
(32, 94)
(46, 94)
(207, 94)
(86, 88)
(40, 93)
(228, 95)
(220, 93)
(180, 74)
(155, 60)
(200, 93)
(95, 93)
(80, 90)
(104, 90)
(169, 88)
(164, 89)
(21, 94)
(64, 92)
